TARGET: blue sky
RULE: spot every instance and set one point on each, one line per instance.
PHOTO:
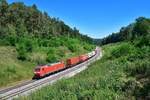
(96, 18)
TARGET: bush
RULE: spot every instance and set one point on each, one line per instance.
(23, 46)
(139, 67)
(51, 57)
(4, 42)
(88, 47)
(144, 41)
(72, 48)
(72, 44)
(37, 57)
(12, 40)
(22, 53)
(123, 50)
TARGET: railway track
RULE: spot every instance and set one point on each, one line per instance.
(32, 85)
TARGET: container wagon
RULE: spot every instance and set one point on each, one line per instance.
(72, 61)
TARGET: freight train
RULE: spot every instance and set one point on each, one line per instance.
(43, 70)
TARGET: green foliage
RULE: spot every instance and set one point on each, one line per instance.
(141, 27)
(37, 57)
(123, 50)
(88, 47)
(24, 46)
(12, 69)
(73, 47)
(143, 41)
(21, 51)
(51, 55)
(139, 68)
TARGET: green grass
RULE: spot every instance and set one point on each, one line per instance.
(117, 75)
(11, 69)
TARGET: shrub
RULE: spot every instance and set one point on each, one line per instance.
(72, 47)
(88, 47)
(23, 47)
(22, 53)
(51, 57)
(37, 57)
(139, 67)
(12, 40)
(144, 41)
(123, 50)
(4, 42)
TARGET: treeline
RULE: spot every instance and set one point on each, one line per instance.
(26, 28)
(140, 29)
(18, 20)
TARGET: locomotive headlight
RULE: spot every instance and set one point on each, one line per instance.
(36, 72)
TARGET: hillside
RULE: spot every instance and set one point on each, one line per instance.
(122, 73)
(18, 20)
(29, 37)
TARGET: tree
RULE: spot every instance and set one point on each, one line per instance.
(3, 11)
(142, 27)
(3, 7)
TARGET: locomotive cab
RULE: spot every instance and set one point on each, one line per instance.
(38, 72)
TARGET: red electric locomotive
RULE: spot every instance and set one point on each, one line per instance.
(41, 71)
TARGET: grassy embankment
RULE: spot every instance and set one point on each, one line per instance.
(13, 70)
(122, 73)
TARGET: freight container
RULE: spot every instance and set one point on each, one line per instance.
(83, 58)
(72, 61)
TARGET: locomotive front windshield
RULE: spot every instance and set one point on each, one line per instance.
(37, 69)
(51, 64)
